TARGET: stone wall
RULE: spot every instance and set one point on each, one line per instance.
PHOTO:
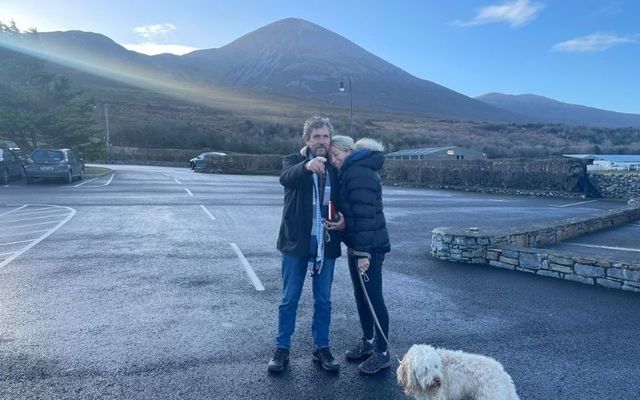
(621, 185)
(614, 275)
(258, 164)
(517, 250)
(542, 175)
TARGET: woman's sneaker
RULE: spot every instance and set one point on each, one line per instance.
(361, 350)
(375, 363)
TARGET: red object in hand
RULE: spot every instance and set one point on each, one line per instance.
(332, 214)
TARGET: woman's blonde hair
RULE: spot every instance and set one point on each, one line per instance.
(340, 142)
(368, 144)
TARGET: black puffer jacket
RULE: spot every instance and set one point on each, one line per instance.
(361, 203)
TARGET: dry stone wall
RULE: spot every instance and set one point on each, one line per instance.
(518, 250)
(622, 185)
(550, 176)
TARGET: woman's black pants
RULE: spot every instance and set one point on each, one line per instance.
(373, 285)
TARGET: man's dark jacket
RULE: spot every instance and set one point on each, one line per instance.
(295, 228)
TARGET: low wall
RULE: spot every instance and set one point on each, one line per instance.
(550, 176)
(614, 275)
(506, 249)
(259, 164)
(621, 185)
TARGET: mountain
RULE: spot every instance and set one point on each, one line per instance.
(291, 63)
(298, 58)
(290, 57)
(544, 109)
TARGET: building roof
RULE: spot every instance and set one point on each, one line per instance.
(607, 157)
(420, 152)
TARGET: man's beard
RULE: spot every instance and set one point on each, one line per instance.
(320, 151)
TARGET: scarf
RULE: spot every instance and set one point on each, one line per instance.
(318, 233)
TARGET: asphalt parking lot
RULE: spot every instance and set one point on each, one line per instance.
(162, 283)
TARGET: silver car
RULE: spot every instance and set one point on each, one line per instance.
(54, 163)
(198, 162)
(10, 166)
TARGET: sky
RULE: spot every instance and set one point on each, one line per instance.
(583, 52)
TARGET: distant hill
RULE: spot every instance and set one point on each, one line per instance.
(290, 57)
(544, 109)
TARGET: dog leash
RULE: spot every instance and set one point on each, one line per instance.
(363, 277)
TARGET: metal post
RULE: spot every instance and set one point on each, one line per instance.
(350, 101)
(106, 118)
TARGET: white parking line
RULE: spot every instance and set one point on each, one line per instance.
(572, 204)
(40, 211)
(34, 242)
(14, 210)
(208, 213)
(85, 182)
(189, 192)
(34, 218)
(38, 224)
(23, 233)
(91, 180)
(18, 242)
(602, 247)
(110, 179)
(177, 181)
(247, 267)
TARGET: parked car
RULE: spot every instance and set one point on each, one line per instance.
(199, 161)
(22, 156)
(10, 166)
(54, 163)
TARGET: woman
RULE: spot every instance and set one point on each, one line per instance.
(367, 238)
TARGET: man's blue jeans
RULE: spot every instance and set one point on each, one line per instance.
(294, 272)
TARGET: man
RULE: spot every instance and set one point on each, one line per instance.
(310, 182)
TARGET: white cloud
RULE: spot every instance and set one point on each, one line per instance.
(591, 43)
(515, 13)
(153, 49)
(154, 31)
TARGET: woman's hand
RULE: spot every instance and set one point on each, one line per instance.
(363, 265)
(339, 225)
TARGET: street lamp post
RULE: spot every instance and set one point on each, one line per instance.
(106, 119)
(341, 88)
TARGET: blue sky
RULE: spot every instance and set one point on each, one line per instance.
(583, 52)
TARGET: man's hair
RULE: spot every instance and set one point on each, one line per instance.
(316, 122)
(344, 143)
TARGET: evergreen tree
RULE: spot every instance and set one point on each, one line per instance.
(38, 108)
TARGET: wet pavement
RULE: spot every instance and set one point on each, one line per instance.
(144, 292)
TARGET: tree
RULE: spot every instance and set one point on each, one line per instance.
(38, 108)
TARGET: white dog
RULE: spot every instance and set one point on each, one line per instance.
(427, 373)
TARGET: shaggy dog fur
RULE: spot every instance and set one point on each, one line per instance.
(427, 373)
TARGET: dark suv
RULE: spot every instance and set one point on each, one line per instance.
(10, 166)
(54, 163)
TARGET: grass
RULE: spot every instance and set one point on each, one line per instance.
(92, 172)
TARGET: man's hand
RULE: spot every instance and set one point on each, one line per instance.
(339, 225)
(316, 165)
(363, 265)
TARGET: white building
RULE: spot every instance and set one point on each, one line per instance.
(609, 162)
